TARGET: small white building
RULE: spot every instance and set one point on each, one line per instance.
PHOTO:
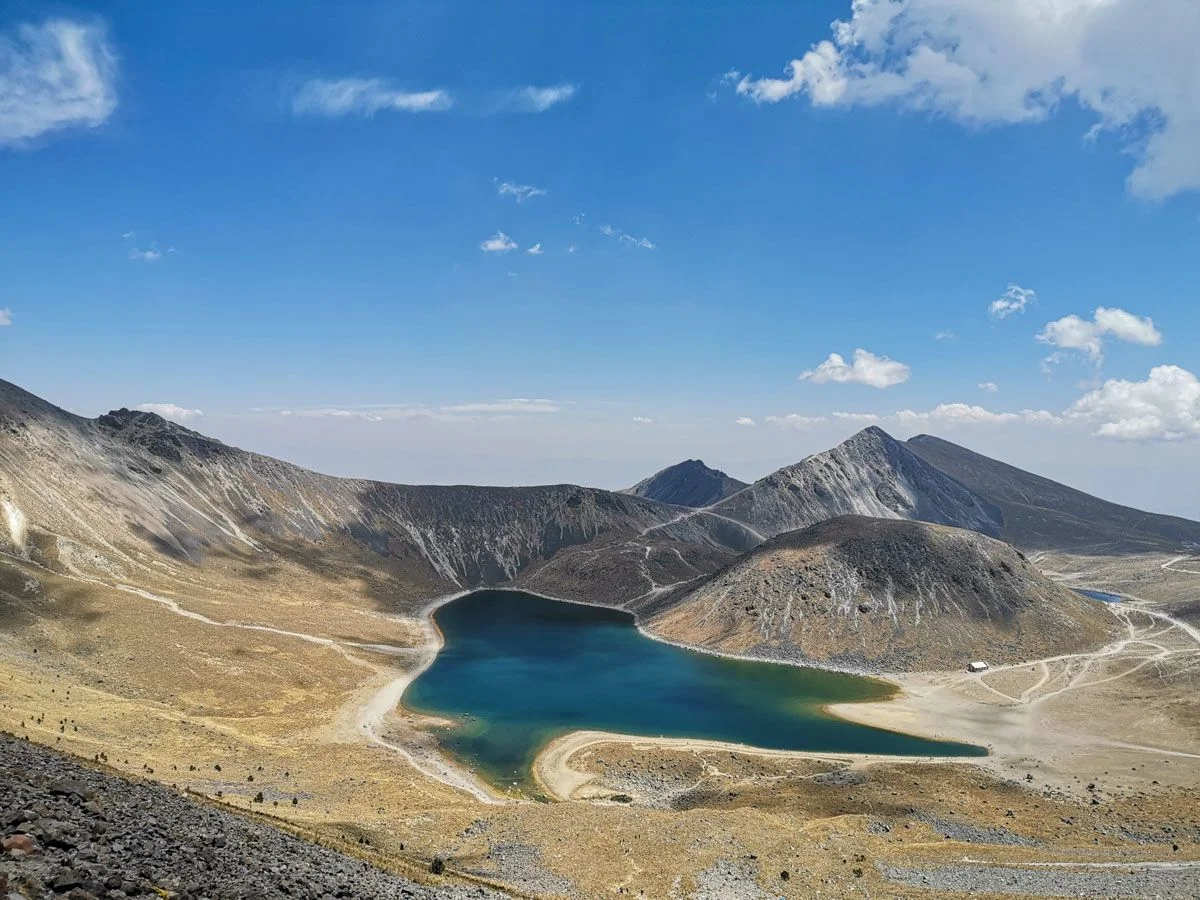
(978, 667)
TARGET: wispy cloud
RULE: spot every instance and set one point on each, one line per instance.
(5, 317)
(867, 368)
(364, 97)
(642, 420)
(515, 406)
(744, 421)
(172, 411)
(626, 239)
(990, 386)
(1014, 300)
(535, 250)
(151, 255)
(535, 99)
(498, 243)
(795, 420)
(862, 418)
(521, 192)
(949, 414)
(944, 335)
(56, 75)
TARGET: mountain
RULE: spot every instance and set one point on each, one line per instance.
(881, 595)
(130, 492)
(869, 474)
(689, 483)
(1040, 514)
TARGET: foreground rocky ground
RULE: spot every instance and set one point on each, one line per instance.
(80, 833)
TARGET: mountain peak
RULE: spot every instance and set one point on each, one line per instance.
(688, 483)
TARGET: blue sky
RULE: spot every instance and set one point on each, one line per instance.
(275, 214)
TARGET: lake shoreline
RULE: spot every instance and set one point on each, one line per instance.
(435, 760)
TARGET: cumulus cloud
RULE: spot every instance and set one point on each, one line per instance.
(867, 368)
(1164, 407)
(1087, 337)
(534, 99)
(171, 411)
(863, 418)
(1130, 64)
(59, 74)
(744, 421)
(498, 243)
(642, 420)
(365, 97)
(151, 255)
(5, 317)
(795, 420)
(1013, 300)
(536, 250)
(990, 386)
(521, 192)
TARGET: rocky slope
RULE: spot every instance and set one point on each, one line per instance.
(870, 474)
(882, 595)
(1041, 514)
(689, 483)
(107, 495)
(72, 831)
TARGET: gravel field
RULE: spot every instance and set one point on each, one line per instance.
(1168, 880)
(75, 832)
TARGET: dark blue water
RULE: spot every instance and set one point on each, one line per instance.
(519, 670)
(1101, 595)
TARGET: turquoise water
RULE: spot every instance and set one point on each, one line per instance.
(1101, 595)
(519, 670)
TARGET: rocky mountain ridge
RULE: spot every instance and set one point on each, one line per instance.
(689, 483)
(869, 474)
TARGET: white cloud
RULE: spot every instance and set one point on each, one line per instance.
(642, 420)
(515, 406)
(965, 414)
(990, 386)
(521, 192)
(5, 317)
(794, 420)
(1164, 407)
(944, 335)
(1130, 64)
(498, 243)
(364, 97)
(535, 99)
(170, 411)
(864, 418)
(56, 75)
(1087, 337)
(640, 243)
(535, 250)
(626, 239)
(572, 248)
(151, 255)
(744, 421)
(1013, 300)
(867, 368)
